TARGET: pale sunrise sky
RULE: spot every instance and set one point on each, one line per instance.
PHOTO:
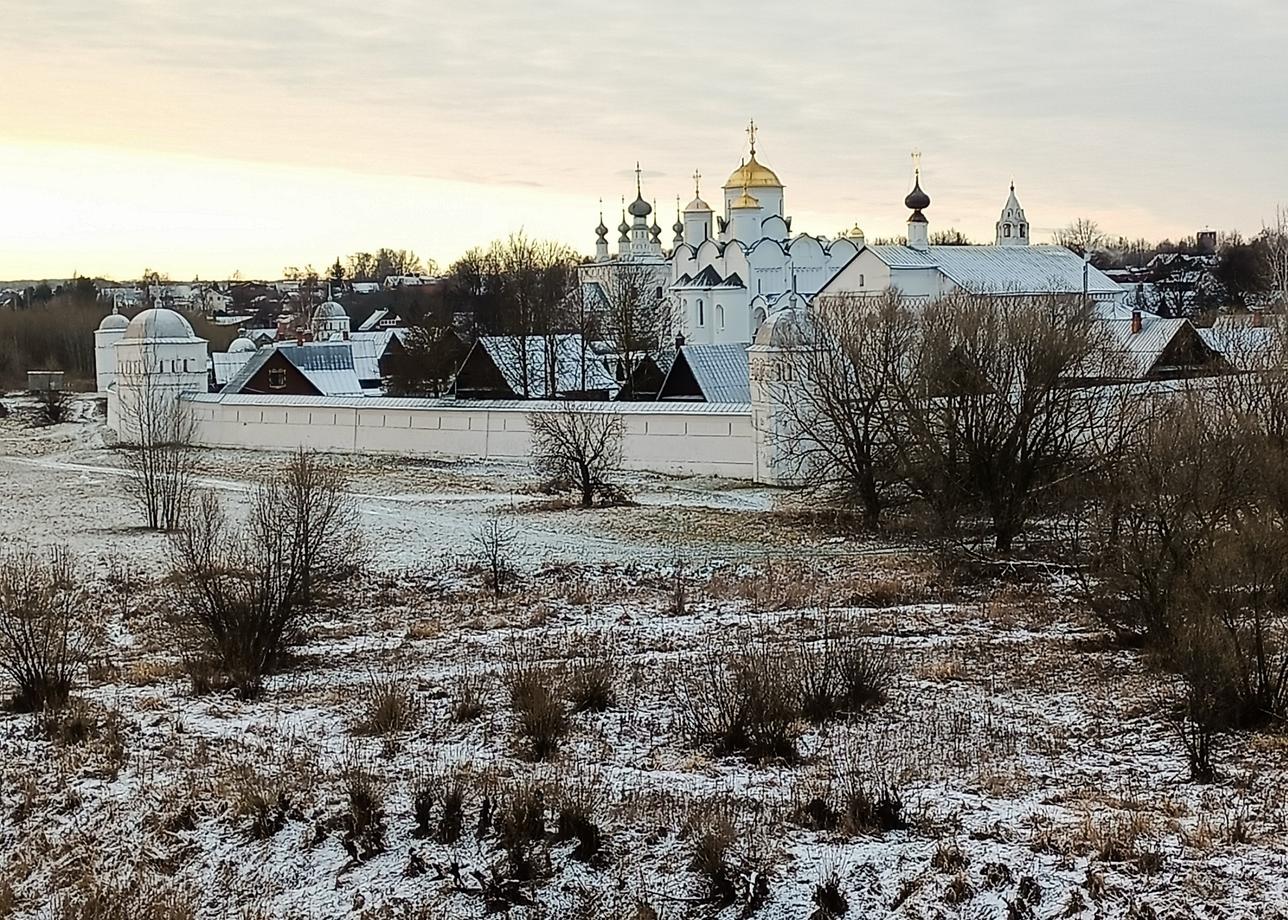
(203, 138)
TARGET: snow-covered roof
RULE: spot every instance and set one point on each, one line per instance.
(720, 371)
(371, 321)
(1244, 341)
(507, 353)
(1003, 269)
(326, 365)
(524, 405)
(225, 365)
(159, 324)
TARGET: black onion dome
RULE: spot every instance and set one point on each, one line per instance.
(917, 199)
(640, 208)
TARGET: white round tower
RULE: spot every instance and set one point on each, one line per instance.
(775, 369)
(158, 359)
(109, 332)
(330, 323)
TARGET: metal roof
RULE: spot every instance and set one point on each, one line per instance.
(1004, 269)
(721, 371)
(471, 405)
(226, 364)
(509, 353)
(1131, 355)
(326, 365)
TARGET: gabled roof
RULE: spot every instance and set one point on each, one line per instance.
(508, 353)
(1132, 355)
(1003, 269)
(720, 372)
(1246, 343)
(373, 320)
(709, 278)
(328, 366)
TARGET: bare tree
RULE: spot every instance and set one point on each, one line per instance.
(989, 419)
(1274, 238)
(246, 592)
(493, 541)
(1083, 236)
(578, 446)
(157, 431)
(839, 402)
(42, 642)
(635, 319)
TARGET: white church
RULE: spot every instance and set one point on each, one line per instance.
(727, 272)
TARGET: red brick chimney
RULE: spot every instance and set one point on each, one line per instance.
(299, 336)
(1136, 323)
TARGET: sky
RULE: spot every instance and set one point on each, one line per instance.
(200, 138)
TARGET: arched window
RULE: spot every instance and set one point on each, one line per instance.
(1006, 230)
(701, 315)
(1023, 231)
(719, 317)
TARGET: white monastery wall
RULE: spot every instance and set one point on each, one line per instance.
(699, 439)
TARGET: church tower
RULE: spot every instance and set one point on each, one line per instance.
(1012, 226)
(917, 201)
(697, 216)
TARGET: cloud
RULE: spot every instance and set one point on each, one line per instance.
(1163, 113)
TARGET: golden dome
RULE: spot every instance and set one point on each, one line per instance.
(745, 200)
(753, 174)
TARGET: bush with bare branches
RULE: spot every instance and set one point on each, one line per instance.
(579, 445)
(42, 642)
(246, 592)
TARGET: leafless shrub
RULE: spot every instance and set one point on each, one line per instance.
(579, 445)
(840, 675)
(387, 705)
(949, 857)
(53, 406)
(520, 825)
(493, 549)
(829, 897)
(578, 803)
(959, 890)
(590, 676)
(536, 696)
(471, 690)
(743, 702)
(42, 643)
(261, 794)
(713, 834)
(364, 821)
(158, 457)
(245, 593)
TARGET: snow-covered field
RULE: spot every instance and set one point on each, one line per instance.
(1037, 773)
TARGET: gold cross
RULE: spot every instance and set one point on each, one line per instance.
(751, 133)
(697, 180)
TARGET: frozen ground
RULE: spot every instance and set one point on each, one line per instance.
(1038, 775)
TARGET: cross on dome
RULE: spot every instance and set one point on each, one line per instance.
(751, 135)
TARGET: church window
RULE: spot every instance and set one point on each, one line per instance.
(277, 378)
(1023, 230)
(720, 317)
(1006, 231)
(701, 316)
(861, 282)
